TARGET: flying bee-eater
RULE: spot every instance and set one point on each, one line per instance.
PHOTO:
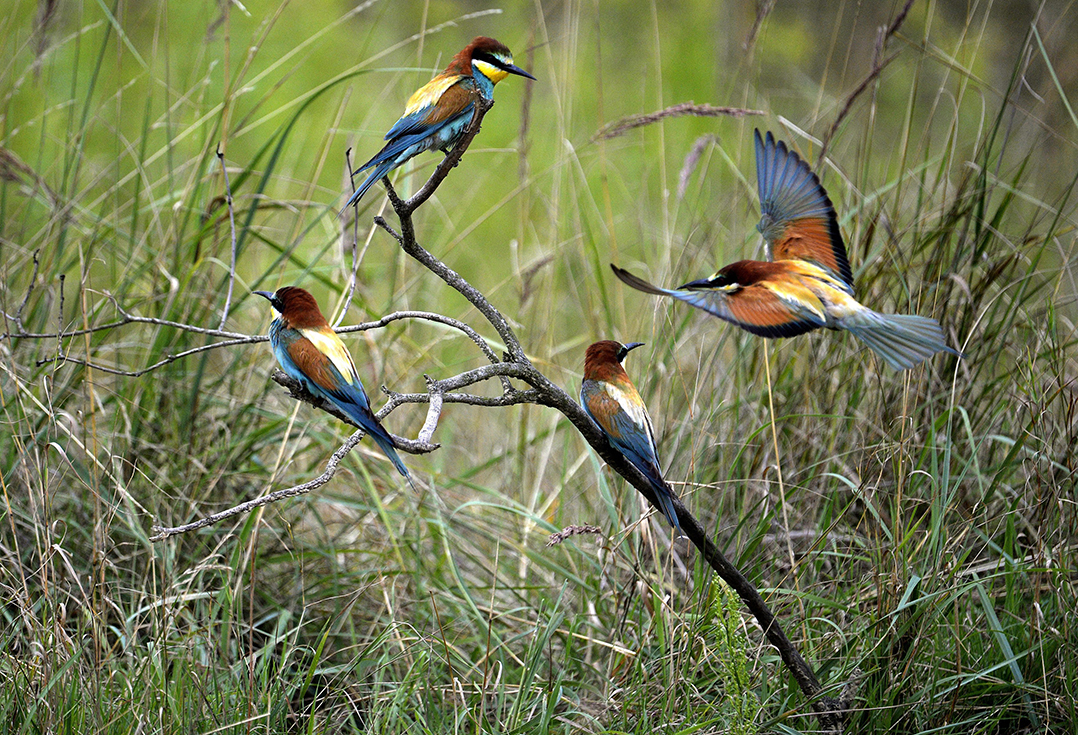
(439, 111)
(808, 283)
(310, 351)
(613, 403)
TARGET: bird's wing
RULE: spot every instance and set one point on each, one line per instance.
(638, 283)
(624, 419)
(325, 361)
(424, 122)
(772, 310)
(439, 100)
(797, 218)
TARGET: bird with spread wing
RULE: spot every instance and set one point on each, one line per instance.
(808, 283)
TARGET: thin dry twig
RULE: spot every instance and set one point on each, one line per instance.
(232, 230)
(353, 278)
(29, 290)
(625, 124)
(878, 65)
(60, 320)
(234, 338)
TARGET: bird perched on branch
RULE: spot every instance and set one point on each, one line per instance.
(439, 111)
(309, 350)
(613, 403)
(808, 283)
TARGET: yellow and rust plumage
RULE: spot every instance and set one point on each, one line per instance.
(308, 349)
(613, 403)
(438, 112)
(808, 284)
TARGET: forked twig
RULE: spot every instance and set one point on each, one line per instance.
(163, 532)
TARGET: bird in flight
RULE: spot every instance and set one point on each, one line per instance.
(807, 284)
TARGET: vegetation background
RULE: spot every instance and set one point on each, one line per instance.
(918, 528)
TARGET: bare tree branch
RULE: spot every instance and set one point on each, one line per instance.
(513, 365)
(354, 276)
(517, 365)
(150, 368)
(236, 339)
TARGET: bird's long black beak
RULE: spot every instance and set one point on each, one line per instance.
(625, 349)
(697, 284)
(272, 298)
(514, 69)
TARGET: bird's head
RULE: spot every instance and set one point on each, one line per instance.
(736, 276)
(721, 281)
(492, 59)
(296, 306)
(602, 360)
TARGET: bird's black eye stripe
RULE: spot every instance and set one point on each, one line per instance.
(489, 58)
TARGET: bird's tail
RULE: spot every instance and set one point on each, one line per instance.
(902, 341)
(387, 446)
(665, 496)
(375, 176)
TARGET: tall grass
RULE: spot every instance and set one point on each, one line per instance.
(925, 533)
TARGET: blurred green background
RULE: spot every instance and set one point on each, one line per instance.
(917, 527)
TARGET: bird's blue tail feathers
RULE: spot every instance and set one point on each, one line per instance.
(387, 446)
(902, 341)
(665, 496)
(365, 419)
(370, 181)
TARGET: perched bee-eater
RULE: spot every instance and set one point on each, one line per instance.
(808, 283)
(310, 351)
(438, 112)
(610, 398)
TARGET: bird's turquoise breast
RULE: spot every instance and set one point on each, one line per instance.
(483, 84)
(280, 340)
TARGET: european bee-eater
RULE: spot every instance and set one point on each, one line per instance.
(613, 403)
(808, 283)
(310, 351)
(438, 112)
